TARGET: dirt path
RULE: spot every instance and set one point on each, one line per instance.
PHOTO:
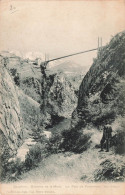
(67, 167)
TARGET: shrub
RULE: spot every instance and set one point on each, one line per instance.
(74, 140)
(38, 135)
(110, 171)
(54, 143)
(13, 71)
(17, 79)
(107, 117)
(11, 171)
(118, 141)
(35, 155)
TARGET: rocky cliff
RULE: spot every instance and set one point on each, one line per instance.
(11, 124)
(59, 98)
(74, 72)
(102, 92)
(20, 94)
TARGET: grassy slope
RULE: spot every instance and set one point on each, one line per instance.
(85, 167)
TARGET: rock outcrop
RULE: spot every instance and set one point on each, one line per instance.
(59, 98)
(72, 71)
(11, 123)
(102, 92)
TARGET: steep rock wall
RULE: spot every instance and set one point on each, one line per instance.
(59, 98)
(10, 121)
(101, 94)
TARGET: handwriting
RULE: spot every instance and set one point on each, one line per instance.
(12, 9)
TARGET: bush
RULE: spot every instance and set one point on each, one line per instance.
(110, 171)
(13, 71)
(74, 140)
(11, 171)
(35, 155)
(118, 141)
(17, 79)
(105, 118)
(38, 135)
(54, 144)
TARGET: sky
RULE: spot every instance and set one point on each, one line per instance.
(59, 28)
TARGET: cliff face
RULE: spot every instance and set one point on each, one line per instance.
(10, 121)
(20, 111)
(59, 98)
(74, 72)
(101, 94)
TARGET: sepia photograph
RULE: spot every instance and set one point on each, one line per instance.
(62, 97)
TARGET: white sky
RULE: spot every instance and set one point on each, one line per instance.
(59, 27)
